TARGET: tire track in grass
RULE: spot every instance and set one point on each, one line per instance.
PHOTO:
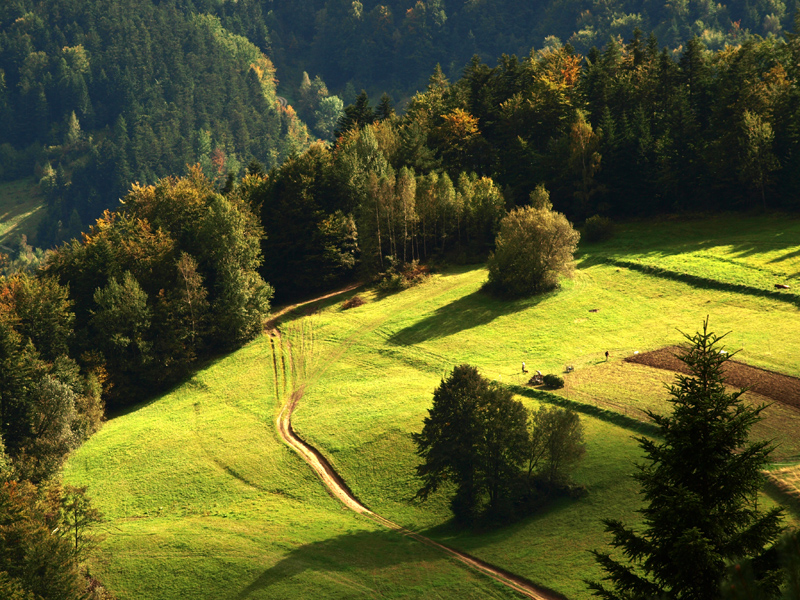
(338, 487)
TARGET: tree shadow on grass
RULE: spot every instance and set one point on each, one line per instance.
(482, 533)
(473, 310)
(313, 306)
(788, 256)
(697, 281)
(363, 552)
(790, 504)
(155, 394)
(671, 237)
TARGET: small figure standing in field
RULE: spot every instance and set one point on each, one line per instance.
(606, 354)
(524, 370)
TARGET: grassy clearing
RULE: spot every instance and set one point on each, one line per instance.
(21, 209)
(631, 389)
(198, 481)
(756, 252)
(391, 353)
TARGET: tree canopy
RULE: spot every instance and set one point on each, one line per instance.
(167, 278)
(478, 438)
(533, 248)
(103, 93)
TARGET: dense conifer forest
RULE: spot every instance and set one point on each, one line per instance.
(624, 131)
(95, 96)
(392, 45)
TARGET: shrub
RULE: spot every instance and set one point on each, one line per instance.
(353, 302)
(401, 276)
(598, 229)
(553, 382)
(534, 247)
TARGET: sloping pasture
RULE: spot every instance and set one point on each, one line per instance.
(204, 501)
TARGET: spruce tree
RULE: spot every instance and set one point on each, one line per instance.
(700, 486)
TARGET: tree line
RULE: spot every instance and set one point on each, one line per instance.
(629, 130)
(333, 213)
(391, 45)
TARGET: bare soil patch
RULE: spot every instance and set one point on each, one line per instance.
(776, 386)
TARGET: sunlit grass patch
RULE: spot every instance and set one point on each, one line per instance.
(21, 209)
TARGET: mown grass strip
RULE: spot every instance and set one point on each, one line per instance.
(701, 282)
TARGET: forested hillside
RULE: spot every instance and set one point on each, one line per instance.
(390, 45)
(95, 95)
(232, 193)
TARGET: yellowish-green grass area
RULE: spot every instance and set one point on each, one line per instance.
(631, 389)
(755, 252)
(21, 209)
(204, 501)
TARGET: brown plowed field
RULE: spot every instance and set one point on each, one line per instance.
(779, 387)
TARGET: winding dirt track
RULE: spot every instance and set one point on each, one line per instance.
(338, 488)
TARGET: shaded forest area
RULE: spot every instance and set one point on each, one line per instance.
(391, 45)
(96, 95)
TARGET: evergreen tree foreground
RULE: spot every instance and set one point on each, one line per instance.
(700, 486)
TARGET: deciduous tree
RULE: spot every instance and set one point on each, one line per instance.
(473, 436)
(534, 247)
(555, 444)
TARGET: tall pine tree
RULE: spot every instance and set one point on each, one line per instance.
(700, 485)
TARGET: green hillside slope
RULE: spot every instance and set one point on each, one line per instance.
(21, 208)
(202, 499)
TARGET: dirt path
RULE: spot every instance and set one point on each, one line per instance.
(340, 491)
(338, 488)
(273, 318)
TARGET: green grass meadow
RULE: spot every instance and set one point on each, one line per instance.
(203, 500)
(21, 209)
(751, 254)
